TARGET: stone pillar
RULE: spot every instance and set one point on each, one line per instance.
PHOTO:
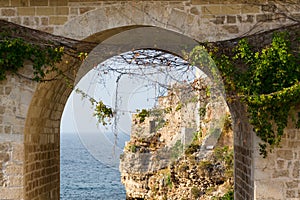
(11, 168)
(15, 97)
(277, 177)
(243, 153)
(42, 135)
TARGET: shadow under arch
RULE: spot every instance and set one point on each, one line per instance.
(42, 128)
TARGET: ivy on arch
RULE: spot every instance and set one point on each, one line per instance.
(267, 81)
(15, 51)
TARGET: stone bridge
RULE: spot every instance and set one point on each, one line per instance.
(30, 113)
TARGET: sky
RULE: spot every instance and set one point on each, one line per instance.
(133, 93)
(99, 140)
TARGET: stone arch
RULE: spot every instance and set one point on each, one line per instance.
(139, 37)
(101, 25)
(200, 20)
(41, 141)
(41, 169)
(106, 25)
(174, 16)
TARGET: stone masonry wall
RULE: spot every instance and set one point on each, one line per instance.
(202, 20)
(15, 97)
(11, 170)
(278, 176)
(29, 135)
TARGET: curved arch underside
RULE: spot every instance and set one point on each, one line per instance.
(42, 126)
(141, 37)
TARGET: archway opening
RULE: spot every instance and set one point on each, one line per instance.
(128, 83)
(57, 94)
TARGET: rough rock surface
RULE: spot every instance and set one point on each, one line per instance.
(182, 149)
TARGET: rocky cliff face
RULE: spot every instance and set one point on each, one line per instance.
(182, 149)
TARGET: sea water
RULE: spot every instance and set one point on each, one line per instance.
(83, 177)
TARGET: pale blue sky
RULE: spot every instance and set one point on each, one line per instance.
(134, 93)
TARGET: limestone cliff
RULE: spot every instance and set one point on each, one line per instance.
(182, 149)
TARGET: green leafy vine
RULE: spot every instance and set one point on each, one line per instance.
(102, 112)
(15, 51)
(268, 84)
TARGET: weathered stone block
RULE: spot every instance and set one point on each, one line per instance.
(269, 8)
(281, 174)
(178, 18)
(39, 2)
(231, 29)
(4, 3)
(16, 20)
(26, 11)
(44, 11)
(15, 181)
(8, 12)
(221, 10)
(4, 157)
(219, 20)
(7, 129)
(18, 152)
(12, 192)
(62, 11)
(13, 169)
(294, 144)
(292, 135)
(248, 8)
(292, 184)
(264, 18)
(263, 174)
(58, 2)
(74, 11)
(291, 194)
(8, 90)
(296, 169)
(211, 10)
(269, 190)
(231, 19)
(44, 21)
(19, 3)
(280, 164)
(285, 154)
(230, 10)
